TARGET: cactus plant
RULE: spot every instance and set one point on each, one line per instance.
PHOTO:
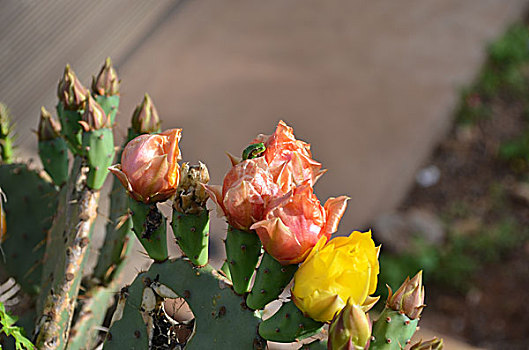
(269, 204)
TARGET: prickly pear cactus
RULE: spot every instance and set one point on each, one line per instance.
(30, 206)
(216, 308)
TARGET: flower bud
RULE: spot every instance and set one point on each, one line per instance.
(191, 195)
(106, 83)
(409, 298)
(246, 189)
(71, 92)
(94, 118)
(49, 128)
(149, 166)
(350, 329)
(344, 269)
(145, 119)
(432, 344)
(294, 223)
(5, 121)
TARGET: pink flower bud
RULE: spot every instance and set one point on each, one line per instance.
(247, 188)
(149, 166)
(294, 223)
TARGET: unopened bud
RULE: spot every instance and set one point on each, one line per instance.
(432, 344)
(145, 119)
(71, 92)
(191, 195)
(409, 298)
(350, 329)
(5, 121)
(49, 128)
(107, 82)
(94, 118)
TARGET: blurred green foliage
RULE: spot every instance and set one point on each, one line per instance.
(505, 76)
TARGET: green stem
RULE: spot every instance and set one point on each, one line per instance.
(243, 249)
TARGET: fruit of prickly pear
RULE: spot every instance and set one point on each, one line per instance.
(243, 249)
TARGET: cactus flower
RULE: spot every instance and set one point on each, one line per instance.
(345, 268)
(350, 329)
(290, 160)
(246, 190)
(409, 298)
(149, 169)
(294, 223)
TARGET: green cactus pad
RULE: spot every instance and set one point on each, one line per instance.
(30, 206)
(192, 235)
(70, 127)
(271, 279)
(222, 320)
(288, 324)
(130, 332)
(98, 146)
(110, 105)
(150, 226)
(242, 252)
(54, 156)
(392, 331)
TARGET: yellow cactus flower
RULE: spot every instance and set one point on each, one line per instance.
(345, 268)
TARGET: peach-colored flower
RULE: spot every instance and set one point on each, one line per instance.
(149, 166)
(246, 189)
(294, 223)
(290, 160)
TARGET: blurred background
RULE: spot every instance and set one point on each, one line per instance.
(418, 109)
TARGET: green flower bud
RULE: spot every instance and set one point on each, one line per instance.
(49, 128)
(145, 119)
(107, 82)
(350, 329)
(432, 344)
(94, 118)
(5, 121)
(70, 91)
(409, 298)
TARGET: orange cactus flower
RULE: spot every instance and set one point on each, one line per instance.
(246, 189)
(294, 223)
(290, 160)
(149, 166)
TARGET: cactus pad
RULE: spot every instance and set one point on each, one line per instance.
(242, 251)
(392, 331)
(271, 279)
(192, 235)
(288, 324)
(31, 203)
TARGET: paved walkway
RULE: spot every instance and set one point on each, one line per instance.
(370, 84)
